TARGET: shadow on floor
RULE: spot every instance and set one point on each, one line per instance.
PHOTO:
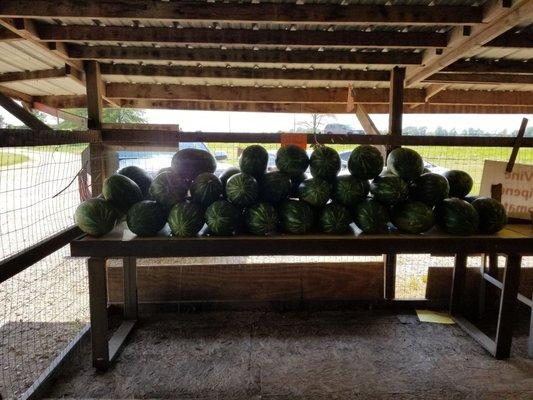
(319, 355)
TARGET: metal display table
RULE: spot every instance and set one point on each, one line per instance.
(514, 242)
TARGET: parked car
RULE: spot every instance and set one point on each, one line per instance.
(153, 161)
(341, 129)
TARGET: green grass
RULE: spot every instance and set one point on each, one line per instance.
(11, 159)
(65, 148)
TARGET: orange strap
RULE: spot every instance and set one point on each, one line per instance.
(298, 139)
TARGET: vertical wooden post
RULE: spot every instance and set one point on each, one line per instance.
(507, 313)
(95, 92)
(390, 276)
(458, 285)
(130, 288)
(98, 310)
(396, 102)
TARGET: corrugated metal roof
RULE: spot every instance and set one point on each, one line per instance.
(22, 55)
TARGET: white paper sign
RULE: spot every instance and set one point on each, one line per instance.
(517, 187)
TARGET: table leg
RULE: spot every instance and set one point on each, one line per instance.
(507, 312)
(530, 340)
(458, 285)
(130, 288)
(390, 276)
(98, 310)
(482, 298)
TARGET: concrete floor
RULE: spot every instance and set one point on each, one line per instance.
(320, 355)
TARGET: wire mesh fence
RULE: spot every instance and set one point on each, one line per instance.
(44, 307)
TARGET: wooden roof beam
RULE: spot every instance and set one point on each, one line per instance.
(23, 115)
(513, 39)
(125, 34)
(202, 55)
(480, 65)
(54, 73)
(57, 113)
(498, 19)
(263, 12)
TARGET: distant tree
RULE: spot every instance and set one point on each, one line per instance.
(315, 124)
(110, 115)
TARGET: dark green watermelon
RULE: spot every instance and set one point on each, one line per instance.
(492, 214)
(292, 160)
(296, 217)
(189, 163)
(121, 191)
(457, 217)
(429, 188)
(371, 216)
(254, 160)
(365, 162)
(242, 189)
(460, 182)
(295, 184)
(389, 189)
(228, 173)
(324, 163)
(206, 189)
(166, 169)
(349, 190)
(412, 217)
(274, 187)
(406, 163)
(470, 199)
(169, 188)
(186, 219)
(146, 218)
(222, 218)
(96, 217)
(261, 219)
(335, 218)
(139, 176)
(315, 191)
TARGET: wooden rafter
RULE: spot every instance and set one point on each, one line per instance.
(24, 116)
(54, 73)
(513, 39)
(124, 34)
(498, 19)
(243, 12)
(57, 113)
(243, 55)
(491, 66)
(481, 78)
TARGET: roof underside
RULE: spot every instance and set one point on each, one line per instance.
(300, 55)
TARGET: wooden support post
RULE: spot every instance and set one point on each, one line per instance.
(95, 92)
(516, 147)
(390, 276)
(23, 115)
(458, 284)
(98, 308)
(130, 288)
(507, 314)
(530, 340)
(396, 102)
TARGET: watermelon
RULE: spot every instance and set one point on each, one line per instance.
(121, 191)
(429, 188)
(222, 218)
(412, 217)
(254, 160)
(365, 162)
(146, 218)
(335, 218)
(324, 163)
(460, 182)
(274, 187)
(206, 189)
(168, 188)
(470, 199)
(166, 169)
(292, 160)
(96, 217)
(242, 189)
(295, 184)
(389, 189)
(189, 163)
(315, 191)
(296, 217)
(406, 163)
(139, 176)
(186, 219)
(228, 173)
(261, 219)
(457, 216)
(371, 216)
(492, 214)
(348, 190)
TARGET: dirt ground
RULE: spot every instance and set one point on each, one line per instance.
(321, 355)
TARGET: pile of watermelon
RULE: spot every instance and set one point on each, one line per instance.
(305, 195)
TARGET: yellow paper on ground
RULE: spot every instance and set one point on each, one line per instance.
(434, 317)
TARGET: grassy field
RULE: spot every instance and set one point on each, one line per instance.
(66, 148)
(11, 158)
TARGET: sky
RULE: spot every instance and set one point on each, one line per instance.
(221, 121)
